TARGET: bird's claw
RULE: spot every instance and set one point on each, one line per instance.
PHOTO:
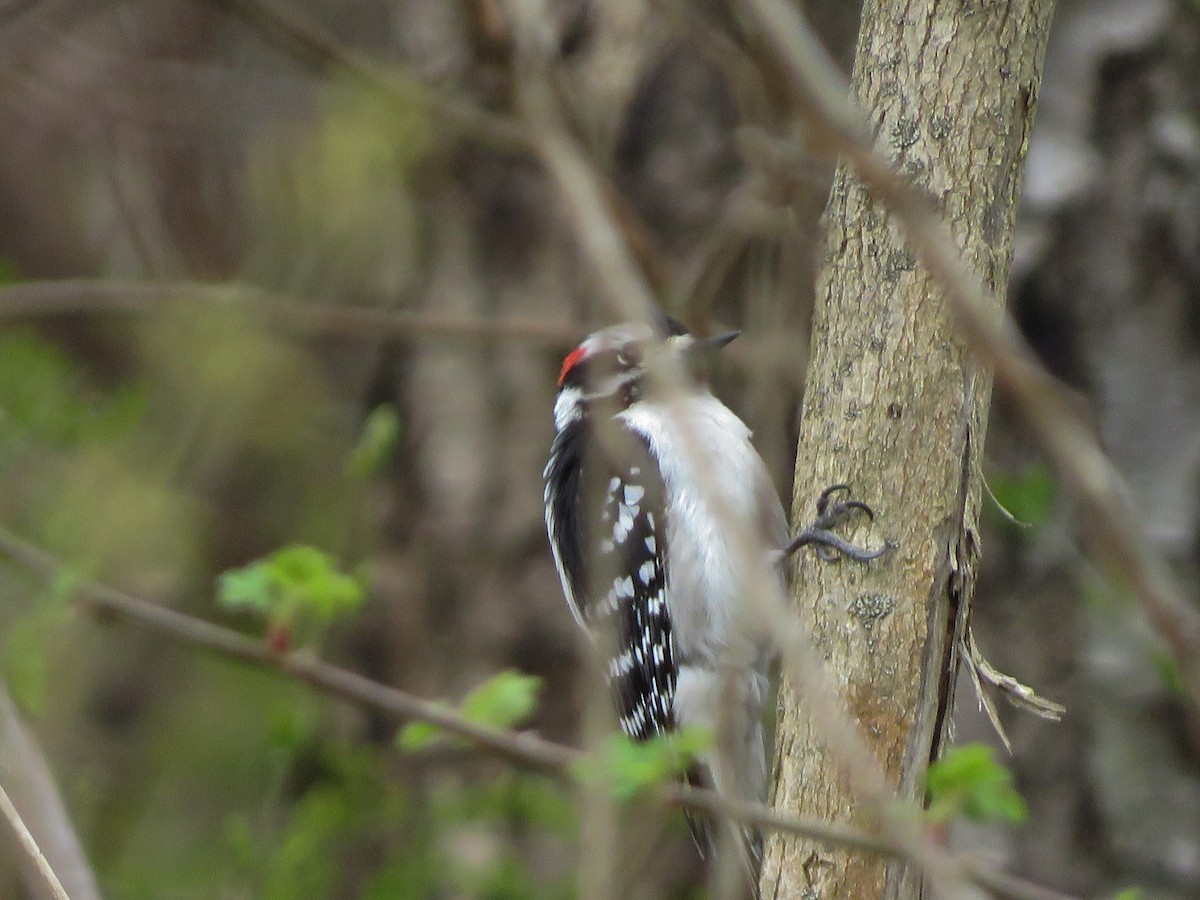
(841, 510)
(829, 545)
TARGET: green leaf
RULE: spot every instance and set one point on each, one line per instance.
(1029, 497)
(376, 444)
(691, 742)
(296, 581)
(246, 588)
(630, 767)
(503, 701)
(310, 579)
(352, 804)
(45, 401)
(968, 781)
(417, 736)
(1129, 894)
(292, 725)
(30, 645)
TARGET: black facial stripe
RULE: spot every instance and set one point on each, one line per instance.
(576, 376)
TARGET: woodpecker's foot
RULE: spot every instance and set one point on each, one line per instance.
(829, 515)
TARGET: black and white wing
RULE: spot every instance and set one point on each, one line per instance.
(605, 512)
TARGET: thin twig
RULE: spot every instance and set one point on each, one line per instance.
(48, 882)
(1086, 470)
(522, 749)
(96, 296)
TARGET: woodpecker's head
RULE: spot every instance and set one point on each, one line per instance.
(609, 366)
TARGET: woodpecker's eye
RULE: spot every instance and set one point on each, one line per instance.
(630, 356)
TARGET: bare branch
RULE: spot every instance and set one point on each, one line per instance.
(95, 296)
(89, 295)
(1055, 422)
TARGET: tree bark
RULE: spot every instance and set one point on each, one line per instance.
(896, 406)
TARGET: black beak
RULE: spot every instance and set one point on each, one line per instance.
(700, 352)
(710, 345)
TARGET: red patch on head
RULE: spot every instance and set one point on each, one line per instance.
(569, 363)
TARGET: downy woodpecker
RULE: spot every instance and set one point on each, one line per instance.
(633, 487)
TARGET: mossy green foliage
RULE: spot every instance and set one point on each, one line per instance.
(257, 791)
(46, 403)
(479, 828)
(61, 444)
(335, 191)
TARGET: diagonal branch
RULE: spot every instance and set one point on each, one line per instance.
(346, 685)
(26, 778)
(44, 883)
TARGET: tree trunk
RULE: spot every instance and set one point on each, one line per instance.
(896, 406)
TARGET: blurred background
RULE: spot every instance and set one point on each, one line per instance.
(267, 235)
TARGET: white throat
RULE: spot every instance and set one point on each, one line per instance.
(568, 407)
